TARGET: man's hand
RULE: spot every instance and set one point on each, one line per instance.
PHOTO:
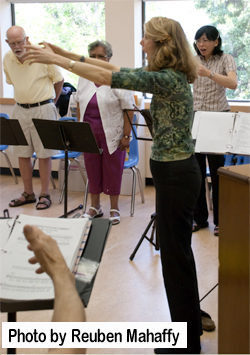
(47, 253)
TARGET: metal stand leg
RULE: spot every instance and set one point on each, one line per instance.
(144, 235)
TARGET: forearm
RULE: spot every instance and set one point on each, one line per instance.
(225, 81)
(58, 89)
(68, 306)
(127, 125)
(78, 112)
(90, 72)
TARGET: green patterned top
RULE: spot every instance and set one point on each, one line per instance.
(171, 108)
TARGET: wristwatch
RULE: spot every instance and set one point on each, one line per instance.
(211, 75)
(125, 136)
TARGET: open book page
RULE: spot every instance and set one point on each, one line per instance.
(241, 134)
(18, 277)
(196, 123)
(215, 132)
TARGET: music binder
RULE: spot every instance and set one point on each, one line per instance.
(221, 132)
(18, 278)
(93, 250)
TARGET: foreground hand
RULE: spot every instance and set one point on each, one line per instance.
(36, 54)
(47, 253)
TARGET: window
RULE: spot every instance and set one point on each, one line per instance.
(230, 17)
(69, 25)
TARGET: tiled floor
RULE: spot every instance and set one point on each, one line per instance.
(124, 290)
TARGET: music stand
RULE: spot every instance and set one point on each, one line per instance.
(149, 124)
(11, 132)
(67, 136)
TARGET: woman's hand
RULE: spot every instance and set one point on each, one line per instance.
(202, 71)
(37, 54)
(124, 143)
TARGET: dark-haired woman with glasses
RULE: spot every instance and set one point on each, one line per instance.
(217, 72)
(103, 107)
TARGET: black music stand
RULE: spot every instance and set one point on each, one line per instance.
(67, 136)
(152, 223)
(11, 132)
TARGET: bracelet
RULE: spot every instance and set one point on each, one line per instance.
(71, 64)
(82, 59)
(125, 136)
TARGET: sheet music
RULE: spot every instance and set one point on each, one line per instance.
(214, 132)
(18, 277)
(241, 136)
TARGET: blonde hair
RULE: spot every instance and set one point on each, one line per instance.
(172, 49)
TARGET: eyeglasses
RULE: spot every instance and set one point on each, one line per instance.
(98, 56)
(17, 43)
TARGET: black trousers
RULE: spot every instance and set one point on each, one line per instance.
(177, 187)
(201, 209)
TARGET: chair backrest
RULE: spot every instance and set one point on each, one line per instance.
(133, 149)
(68, 119)
(5, 115)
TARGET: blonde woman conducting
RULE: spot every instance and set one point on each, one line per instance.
(176, 174)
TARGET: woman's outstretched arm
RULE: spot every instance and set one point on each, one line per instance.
(95, 70)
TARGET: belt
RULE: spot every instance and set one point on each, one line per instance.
(36, 104)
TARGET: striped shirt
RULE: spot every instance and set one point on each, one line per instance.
(208, 95)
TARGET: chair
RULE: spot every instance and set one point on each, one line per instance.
(72, 156)
(2, 150)
(131, 163)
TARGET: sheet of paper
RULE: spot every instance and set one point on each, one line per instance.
(215, 132)
(18, 277)
(20, 281)
(241, 135)
(196, 123)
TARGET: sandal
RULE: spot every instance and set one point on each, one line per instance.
(28, 199)
(115, 219)
(46, 204)
(98, 213)
(198, 226)
(216, 231)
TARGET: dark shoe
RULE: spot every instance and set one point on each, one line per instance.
(207, 322)
(28, 199)
(46, 204)
(216, 231)
(198, 226)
